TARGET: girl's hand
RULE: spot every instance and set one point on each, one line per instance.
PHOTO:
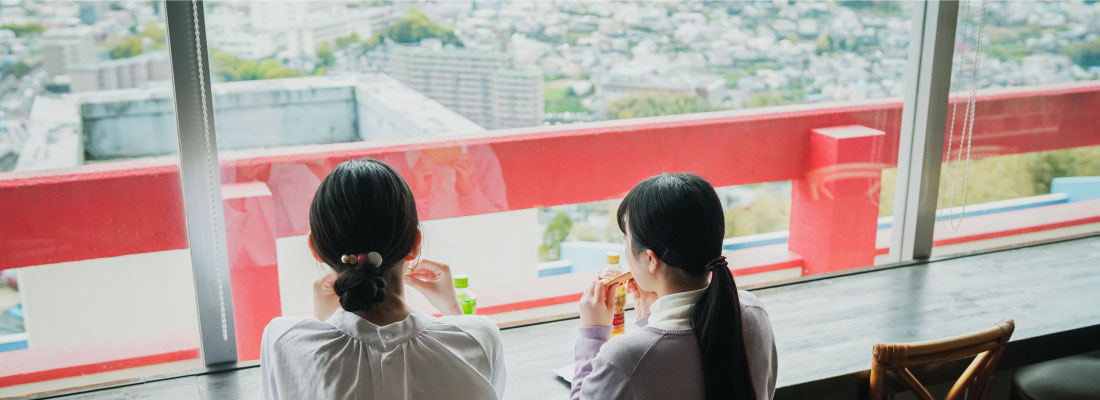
(598, 304)
(643, 300)
(434, 281)
(325, 300)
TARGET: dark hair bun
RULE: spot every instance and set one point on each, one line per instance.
(360, 288)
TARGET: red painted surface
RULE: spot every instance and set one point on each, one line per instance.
(56, 362)
(90, 213)
(520, 169)
(253, 267)
(95, 368)
(834, 208)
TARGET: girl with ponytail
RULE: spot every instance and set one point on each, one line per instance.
(365, 342)
(699, 337)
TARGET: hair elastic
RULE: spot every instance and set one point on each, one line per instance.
(373, 258)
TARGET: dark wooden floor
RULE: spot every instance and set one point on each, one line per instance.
(824, 328)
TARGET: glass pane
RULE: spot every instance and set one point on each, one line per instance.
(498, 114)
(769, 54)
(1025, 161)
(96, 273)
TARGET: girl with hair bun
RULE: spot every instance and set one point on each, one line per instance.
(365, 342)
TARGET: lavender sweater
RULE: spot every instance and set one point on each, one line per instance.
(661, 359)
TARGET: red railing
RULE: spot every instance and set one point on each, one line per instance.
(138, 204)
(113, 209)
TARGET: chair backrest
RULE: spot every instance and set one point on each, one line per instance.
(985, 346)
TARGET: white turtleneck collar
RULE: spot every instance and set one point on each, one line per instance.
(673, 312)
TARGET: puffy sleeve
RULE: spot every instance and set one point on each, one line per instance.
(488, 335)
(760, 342)
(594, 377)
(499, 371)
(269, 364)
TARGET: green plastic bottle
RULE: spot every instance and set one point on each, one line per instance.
(466, 298)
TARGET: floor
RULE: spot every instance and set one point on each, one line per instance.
(824, 328)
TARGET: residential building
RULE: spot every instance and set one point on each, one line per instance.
(123, 73)
(67, 47)
(483, 86)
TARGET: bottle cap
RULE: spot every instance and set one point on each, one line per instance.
(462, 281)
(612, 257)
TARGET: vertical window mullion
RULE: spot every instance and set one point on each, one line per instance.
(924, 119)
(201, 178)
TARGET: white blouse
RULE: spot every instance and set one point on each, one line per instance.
(347, 357)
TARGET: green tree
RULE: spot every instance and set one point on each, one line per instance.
(154, 32)
(769, 213)
(883, 7)
(1004, 177)
(558, 98)
(731, 77)
(1086, 54)
(134, 45)
(765, 99)
(1045, 166)
(127, 47)
(1009, 51)
(324, 55)
(824, 44)
(24, 29)
(413, 27)
(20, 69)
(556, 232)
(270, 69)
(346, 41)
(230, 68)
(652, 105)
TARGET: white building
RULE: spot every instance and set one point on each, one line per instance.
(482, 86)
(276, 15)
(517, 98)
(304, 39)
(67, 47)
(248, 45)
(124, 73)
(300, 27)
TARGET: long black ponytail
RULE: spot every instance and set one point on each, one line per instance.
(679, 217)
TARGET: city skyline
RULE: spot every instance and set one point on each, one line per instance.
(590, 55)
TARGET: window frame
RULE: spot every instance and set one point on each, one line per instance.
(927, 78)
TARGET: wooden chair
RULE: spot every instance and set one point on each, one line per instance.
(985, 346)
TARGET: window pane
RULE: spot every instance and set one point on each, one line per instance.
(1026, 166)
(97, 282)
(499, 115)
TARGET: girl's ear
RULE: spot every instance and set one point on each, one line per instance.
(651, 261)
(416, 247)
(313, 248)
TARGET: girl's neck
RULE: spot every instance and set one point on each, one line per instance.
(679, 281)
(392, 308)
